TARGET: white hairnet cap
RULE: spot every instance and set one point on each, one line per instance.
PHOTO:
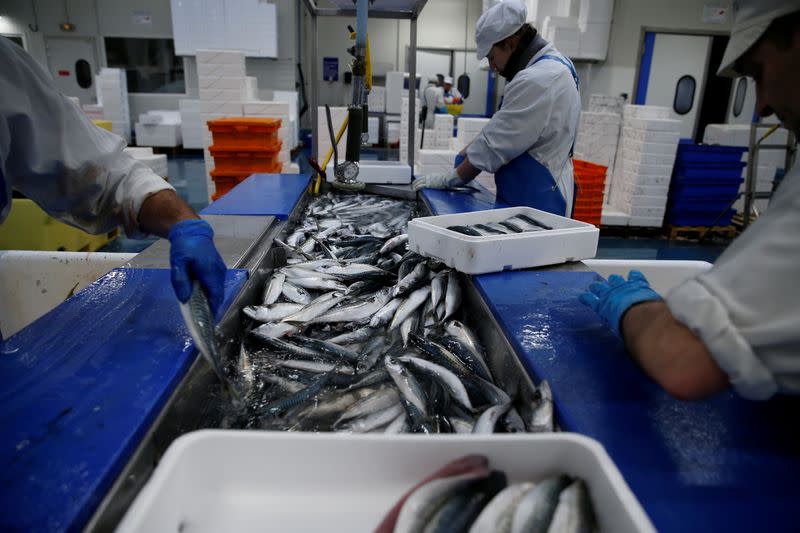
(498, 22)
(448, 79)
(751, 18)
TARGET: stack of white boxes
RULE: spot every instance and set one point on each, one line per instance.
(404, 124)
(293, 123)
(598, 134)
(376, 101)
(564, 33)
(468, 129)
(433, 161)
(395, 92)
(769, 161)
(373, 129)
(156, 162)
(192, 125)
(112, 94)
(223, 86)
(443, 131)
(644, 162)
(159, 128)
(274, 109)
(594, 21)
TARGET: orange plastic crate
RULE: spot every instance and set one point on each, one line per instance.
(245, 160)
(238, 133)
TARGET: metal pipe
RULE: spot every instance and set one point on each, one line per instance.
(314, 81)
(361, 24)
(749, 184)
(412, 93)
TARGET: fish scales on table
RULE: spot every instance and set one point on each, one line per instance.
(357, 333)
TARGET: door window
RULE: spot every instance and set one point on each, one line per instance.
(83, 73)
(684, 95)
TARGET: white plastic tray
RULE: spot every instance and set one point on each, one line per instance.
(244, 481)
(382, 172)
(569, 240)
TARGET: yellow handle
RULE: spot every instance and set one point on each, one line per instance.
(315, 186)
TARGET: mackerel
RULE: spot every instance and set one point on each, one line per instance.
(274, 288)
(271, 313)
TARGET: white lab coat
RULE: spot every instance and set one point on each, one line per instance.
(746, 309)
(540, 113)
(52, 153)
(434, 99)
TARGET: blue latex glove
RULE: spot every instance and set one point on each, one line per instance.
(612, 298)
(459, 159)
(192, 255)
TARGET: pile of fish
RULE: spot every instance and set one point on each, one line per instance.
(520, 223)
(466, 495)
(355, 333)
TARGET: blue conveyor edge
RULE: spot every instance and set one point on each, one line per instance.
(262, 195)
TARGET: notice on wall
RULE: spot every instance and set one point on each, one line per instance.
(142, 17)
(714, 14)
(330, 68)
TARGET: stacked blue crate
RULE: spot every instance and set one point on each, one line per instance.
(705, 182)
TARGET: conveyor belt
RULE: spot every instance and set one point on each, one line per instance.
(262, 194)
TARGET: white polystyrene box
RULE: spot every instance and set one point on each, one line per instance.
(594, 37)
(653, 124)
(650, 136)
(222, 95)
(221, 108)
(646, 222)
(646, 169)
(394, 91)
(647, 158)
(227, 70)
(164, 135)
(569, 240)
(219, 56)
(349, 480)
(646, 112)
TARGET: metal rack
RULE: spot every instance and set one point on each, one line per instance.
(752, 166)
(387, 9)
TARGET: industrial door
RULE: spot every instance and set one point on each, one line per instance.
(672, 74)
(72, 64)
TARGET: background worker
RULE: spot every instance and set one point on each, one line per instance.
(528, 143)
(77, 172)
(737, 324)
(433, 100)
(451, 94)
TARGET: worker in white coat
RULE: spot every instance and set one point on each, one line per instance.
(528, 143)
(738, 324)
(451, 94)
(77, 172)
(433, 100)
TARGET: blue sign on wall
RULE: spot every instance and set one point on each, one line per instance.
(330, 68)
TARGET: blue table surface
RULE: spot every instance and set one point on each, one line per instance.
(448, 203)
(262, 194)
(80, 387)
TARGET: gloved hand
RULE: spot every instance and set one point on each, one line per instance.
(611, 299)
(438, 181)
(192, 255)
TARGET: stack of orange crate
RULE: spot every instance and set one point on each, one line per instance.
(241, 147)
(590, 180)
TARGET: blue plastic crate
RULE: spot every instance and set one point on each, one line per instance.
(710, 205)
(703, 154)
(709, 171)
(688, 217)
(683, 188)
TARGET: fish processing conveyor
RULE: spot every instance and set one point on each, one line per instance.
(97, 389)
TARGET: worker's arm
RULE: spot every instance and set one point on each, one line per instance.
(670, 353)
(162, 210)
(462, 174)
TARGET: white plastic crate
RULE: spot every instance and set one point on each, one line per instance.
(242, 480)
(569, 240)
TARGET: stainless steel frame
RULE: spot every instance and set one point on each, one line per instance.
(411, 12)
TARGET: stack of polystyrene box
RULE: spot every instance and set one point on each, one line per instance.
(604, 103)
(293, 132)
(644, 162)
(338, 114)
(404, 124)
(156, 162)
(192, 125)
(564, 33)
(769, 161)
(376, 101)
(112, 94)
(394, 92)
(222, 86)
(468, 129)
(443, 131)
(275, 109)
(159, 128)
(373, 129)
(433, 161)
(594, 21)
(598, 136)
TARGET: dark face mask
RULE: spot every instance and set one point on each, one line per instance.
(525, 50)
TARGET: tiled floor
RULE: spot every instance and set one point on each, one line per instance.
(187, 175)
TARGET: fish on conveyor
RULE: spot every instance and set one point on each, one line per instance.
(451, 382)
(200, 323)
(542, 415)
(465, 230)
(318, 284)
(357, 312)
(375, 420)
(393, 243)
(488, 419)
(275, 330)
(452, 296)
(438, 288)
(314, 309)
(355, 272)
(414, 300)
(279, 406)
(469, 358)
(385, 313)
(325, 347)
(296, 294)
(414, 280)
(271, 313)
(274, 288)
(379, 400)
(354, 337)
(409, 326)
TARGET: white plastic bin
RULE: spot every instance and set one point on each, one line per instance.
(244, 481)
(32, 283)
(662, 275)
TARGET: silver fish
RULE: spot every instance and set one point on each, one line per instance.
(377, 401)
(356, 312)
(445, 377)
(488, 419)
(355, 336)
(275, 330)
(315, 308)
(535, 510)
(407, 383)
(271, 313)
(496, 517)
(274, 288)
(315, 366)
(385, 313)
(414, 300)
(574, 513)
(412, 281)
(461, 425)
(319, 284)
(303, 271)
(541, 420)
(200, 323)
(398, 425)
(296, 294)
(393, 243)
(453, 296)
(375, 420)
(408, 327)
(438, 288)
